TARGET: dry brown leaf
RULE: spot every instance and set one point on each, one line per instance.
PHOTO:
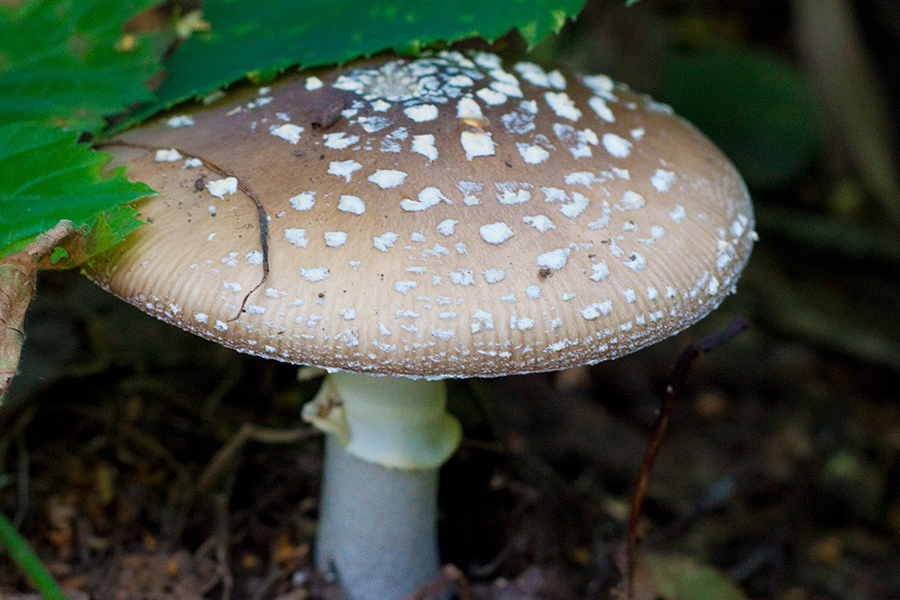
(18, 281)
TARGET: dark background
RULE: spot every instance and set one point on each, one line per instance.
(781, 469)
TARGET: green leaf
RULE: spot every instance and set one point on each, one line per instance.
(267, 37)
(751, 103)
(109, 229)
(58, 255)
(46, 176)
(28, 561)
(683, 578)
(60, 63)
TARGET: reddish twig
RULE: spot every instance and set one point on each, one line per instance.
(673, 391)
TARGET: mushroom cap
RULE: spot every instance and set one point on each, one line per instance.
(446, 216)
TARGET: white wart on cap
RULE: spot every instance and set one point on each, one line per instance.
(448, 216)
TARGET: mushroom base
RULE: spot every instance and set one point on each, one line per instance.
(377, 527)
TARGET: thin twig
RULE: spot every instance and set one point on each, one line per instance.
(24, 480)
(262, 217)
(247, 433)
(715, 495)
(224, 564)
(673, 391)
(128, 432)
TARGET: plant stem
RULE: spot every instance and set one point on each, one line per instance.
(28, 561)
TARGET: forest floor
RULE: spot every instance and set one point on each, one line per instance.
(144, 463)
(779, 476)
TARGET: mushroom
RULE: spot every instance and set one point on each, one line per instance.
(451, 215)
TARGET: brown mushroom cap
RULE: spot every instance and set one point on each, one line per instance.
(448, 216)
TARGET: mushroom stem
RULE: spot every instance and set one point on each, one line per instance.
(377, 526)
(387, 438)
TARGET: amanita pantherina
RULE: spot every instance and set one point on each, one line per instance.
(447, 216)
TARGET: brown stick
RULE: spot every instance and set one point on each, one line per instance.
(673, 391)
(18, 282)
(247, 433)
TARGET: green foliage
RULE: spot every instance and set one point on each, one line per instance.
(751, 103)
(24, 556)
(267, 37)
(46, 175)
(683, 578)
(60, 66)
(63, 65)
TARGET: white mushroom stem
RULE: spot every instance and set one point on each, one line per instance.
(377, 526)
(387, 438)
